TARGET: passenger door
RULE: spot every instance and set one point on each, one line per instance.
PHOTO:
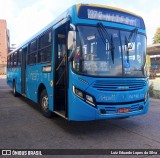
(61, 70)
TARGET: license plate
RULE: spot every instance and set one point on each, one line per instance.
(123, 110)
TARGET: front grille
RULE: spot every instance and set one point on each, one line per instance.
(119, 85)
(120, 103)
(114, 109)
(135, 107)
(110, 110)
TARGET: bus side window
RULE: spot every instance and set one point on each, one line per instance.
(44, 47)
(15, 59)
(32, 53)
(11, 60)
(19, 58)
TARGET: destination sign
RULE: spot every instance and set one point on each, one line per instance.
(105, 14)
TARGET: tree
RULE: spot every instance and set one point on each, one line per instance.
(156, 38)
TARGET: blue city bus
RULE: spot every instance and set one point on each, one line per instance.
(88, 64)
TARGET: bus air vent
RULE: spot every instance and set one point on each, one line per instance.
(119, 85)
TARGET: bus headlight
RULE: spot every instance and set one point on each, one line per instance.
(85, 97)
(78, 92)
(146, 97)
(90, 100)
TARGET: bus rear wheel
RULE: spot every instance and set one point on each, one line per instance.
(14, 89)
(44, 104)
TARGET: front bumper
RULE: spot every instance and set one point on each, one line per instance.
(81, 111)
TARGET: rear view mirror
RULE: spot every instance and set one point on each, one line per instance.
(71, 40)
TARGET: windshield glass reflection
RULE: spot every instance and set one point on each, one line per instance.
(94, 56)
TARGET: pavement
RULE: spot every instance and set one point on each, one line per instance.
(2, 76)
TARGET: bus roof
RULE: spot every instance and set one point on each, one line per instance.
(107, 7)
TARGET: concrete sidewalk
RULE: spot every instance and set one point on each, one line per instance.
(156, 83)
(156, 87)
(3, 76)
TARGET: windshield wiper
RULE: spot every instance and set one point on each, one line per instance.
(112, 49)
(126, 43)
(132, 38)
(105, 35)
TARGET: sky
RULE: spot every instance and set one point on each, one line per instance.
(27, 17)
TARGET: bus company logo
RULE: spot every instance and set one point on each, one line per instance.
(6, 152)
(103, 97)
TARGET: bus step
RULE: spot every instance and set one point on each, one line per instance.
(60, 113)
(23, 94)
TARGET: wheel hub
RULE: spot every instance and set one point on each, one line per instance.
(45, 103)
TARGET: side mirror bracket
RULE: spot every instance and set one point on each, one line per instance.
(71, 41)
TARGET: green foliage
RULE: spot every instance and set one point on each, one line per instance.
(156, 38)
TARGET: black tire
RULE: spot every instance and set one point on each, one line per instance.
(14, 89)
(121, 118)
(44, 104)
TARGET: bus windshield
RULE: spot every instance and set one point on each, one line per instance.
(95, 52)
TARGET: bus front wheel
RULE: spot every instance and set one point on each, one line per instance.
(44, 104)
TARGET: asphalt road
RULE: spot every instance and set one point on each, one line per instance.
(22, 126)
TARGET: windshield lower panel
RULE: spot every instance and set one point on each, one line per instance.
(116, 53)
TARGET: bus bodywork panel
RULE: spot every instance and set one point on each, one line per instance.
(107, 102)
(36, 76)
(14, 75)
(81, 111)
(113, 97)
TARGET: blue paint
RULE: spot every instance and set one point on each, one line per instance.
(109, 94)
